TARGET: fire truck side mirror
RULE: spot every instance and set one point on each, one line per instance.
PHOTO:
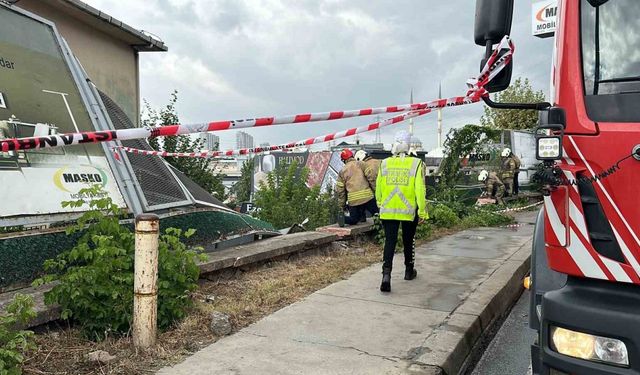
(493, 21)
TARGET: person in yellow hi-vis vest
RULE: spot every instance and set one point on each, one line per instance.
(401, 196)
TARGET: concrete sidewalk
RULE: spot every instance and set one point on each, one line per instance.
(425, 326)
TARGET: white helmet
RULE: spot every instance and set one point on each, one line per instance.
(482, 177)
(361, 155)
(413, 152)
(401, 145)
(506, 152)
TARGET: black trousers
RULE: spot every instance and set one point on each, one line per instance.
(516, 184)
(391, 238)
(358, 213)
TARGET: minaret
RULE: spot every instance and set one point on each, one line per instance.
(411, 119)
(440, 117)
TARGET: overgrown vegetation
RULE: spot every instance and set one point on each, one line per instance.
(461, 142)
(14, 343)
(199, 170)
(242, 189)
(96, 276)
(520, 91)
(284, 199)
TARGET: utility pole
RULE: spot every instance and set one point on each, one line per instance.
(411, 119)
(378, 136)
(440, 117)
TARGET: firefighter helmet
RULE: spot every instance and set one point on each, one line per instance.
(361, 155)
(506, 152)
(482, 177)
(346, 154)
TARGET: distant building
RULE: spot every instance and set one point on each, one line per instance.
(265, 145)
(244, 140)
(211, 141)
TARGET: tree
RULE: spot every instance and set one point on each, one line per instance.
(242, 188)
(199, 170)
(285, 199)
(520, 91)
(461, 142)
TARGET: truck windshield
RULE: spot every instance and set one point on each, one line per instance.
(611, 47)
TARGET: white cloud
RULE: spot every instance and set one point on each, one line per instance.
(244, 58)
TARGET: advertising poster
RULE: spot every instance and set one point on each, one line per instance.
(323, 167)
(38, 97)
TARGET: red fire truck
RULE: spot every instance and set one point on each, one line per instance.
(585, 270)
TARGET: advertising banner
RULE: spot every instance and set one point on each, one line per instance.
(39, 97)
(323, 167)
(544, 18)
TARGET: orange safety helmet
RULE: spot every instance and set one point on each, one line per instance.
(346, 154)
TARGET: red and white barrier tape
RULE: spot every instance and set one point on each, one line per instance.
(475, 93)
(284, 146)
(496, 62)
(517, 209)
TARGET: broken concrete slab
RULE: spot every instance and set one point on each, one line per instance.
(44, 313)
(265, 250)
(349, 231)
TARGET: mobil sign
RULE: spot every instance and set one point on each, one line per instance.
(543, 17)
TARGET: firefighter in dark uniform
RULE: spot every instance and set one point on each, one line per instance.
(510, 169)
(494, 188)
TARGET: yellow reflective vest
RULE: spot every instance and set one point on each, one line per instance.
(400, 189)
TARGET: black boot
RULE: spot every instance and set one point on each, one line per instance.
(385, 286)
(410, 272)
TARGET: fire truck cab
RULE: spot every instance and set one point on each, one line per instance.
(585, 268)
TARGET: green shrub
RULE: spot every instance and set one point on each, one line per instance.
(444, 217)
(284, 199)
(96, 275)
(14, 343)
(484, 217)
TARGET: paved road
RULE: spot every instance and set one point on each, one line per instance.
(509, 351)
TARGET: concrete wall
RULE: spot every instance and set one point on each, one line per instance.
(112, 64)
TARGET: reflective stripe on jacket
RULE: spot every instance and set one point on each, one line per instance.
(352, 185)
(400, 189)
(370, 168)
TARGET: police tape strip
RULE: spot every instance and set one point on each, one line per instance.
(284, 146)
(497, 61)
(517, 209)
(500, 58)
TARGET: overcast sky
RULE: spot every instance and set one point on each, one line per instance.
(232, 59)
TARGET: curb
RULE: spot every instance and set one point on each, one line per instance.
(463, 330)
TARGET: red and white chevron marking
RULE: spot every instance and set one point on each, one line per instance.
(567, 227)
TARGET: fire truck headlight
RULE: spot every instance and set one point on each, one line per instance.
(549, 148)
(589, 347)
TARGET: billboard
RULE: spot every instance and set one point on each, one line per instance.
(323, 167)
(38, 97)
(544, 18)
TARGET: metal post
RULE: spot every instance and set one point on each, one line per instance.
(145, 298)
